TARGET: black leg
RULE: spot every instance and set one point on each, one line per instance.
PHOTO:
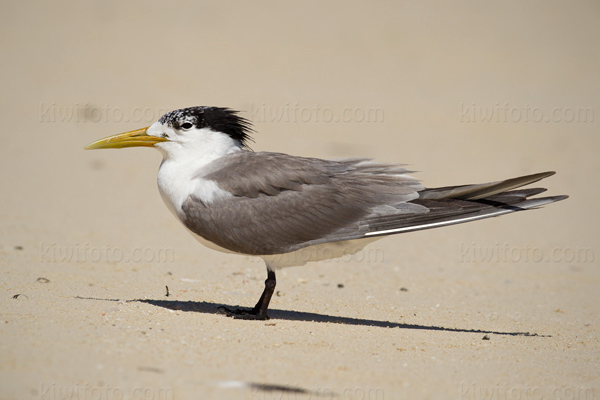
(260, 309)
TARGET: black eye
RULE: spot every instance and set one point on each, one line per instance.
(186, 125)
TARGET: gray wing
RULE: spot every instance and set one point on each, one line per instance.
(281, 203)
(458, 204)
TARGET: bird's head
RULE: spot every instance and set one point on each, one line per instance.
(193, 130)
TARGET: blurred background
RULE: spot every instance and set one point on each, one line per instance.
(463, 92)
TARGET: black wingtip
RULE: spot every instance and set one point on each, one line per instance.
(543, 175)
(560, 197)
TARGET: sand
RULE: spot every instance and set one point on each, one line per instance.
(506, 308)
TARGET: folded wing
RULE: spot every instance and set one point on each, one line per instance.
(282, 203)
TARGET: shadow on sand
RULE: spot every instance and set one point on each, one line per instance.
(275, 314)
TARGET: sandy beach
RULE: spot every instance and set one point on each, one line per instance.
(104, 295)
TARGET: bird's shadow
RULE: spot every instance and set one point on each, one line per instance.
(275, 314)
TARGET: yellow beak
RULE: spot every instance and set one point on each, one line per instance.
(135, 138)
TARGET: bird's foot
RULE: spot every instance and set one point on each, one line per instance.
(259, 312)
(238, 313)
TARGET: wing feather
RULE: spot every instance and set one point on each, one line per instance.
(281, 203)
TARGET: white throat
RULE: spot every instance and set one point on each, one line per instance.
(185, 158)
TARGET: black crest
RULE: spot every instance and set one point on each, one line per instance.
(218, 119)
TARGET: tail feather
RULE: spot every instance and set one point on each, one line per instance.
(457, 204)
(482, 190)
(452, 213)
(449, 206)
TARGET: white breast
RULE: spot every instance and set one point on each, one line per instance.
(176, 183)
(185, 158)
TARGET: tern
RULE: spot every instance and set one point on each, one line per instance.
(290, 210)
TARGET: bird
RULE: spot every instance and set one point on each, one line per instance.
(290, 210)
